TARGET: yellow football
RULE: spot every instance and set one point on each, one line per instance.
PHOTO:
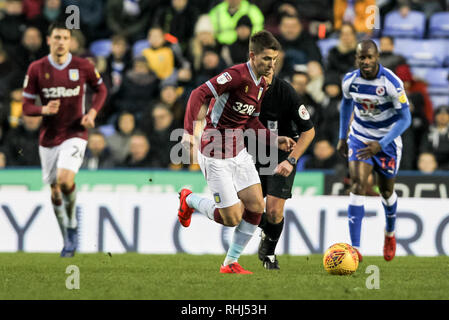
(341, 259)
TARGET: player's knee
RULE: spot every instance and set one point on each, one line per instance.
(65, 185)
(358, 187)
(274, 215)
(256, 206)
(232, 220)
(386, 194)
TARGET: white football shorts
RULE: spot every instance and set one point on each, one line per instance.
(68, 155)
(226, 177)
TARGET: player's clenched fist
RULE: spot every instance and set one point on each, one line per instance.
(51, 108)
(88, 120)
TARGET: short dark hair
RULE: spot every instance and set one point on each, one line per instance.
(263, 40)
(368, 43)
(57, 25)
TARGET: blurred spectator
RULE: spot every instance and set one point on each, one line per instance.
(118, 62)
(9, 75)
(170, 97)
(32, 8)
(437, 140)
(273, 10)
(315, 86)
(31, 48)
(51, 12)
(118, 142)
(331, 109)
(299, 47)
(299, 82)
(177, 20)
(12, 26)
(354, 12)
(160, 142)
(129, 17)
(211, 65)
(341, 58)
(324, 156)
(78, 45)
(225, 15)
(138, 88)
(203, 37)
(416, 90)
(387, 57)
(21, 143)
(15, 106)
(92, 18)
(237, 52)
(427, 163)
(140, 153)
(97, 155)
(166, 59)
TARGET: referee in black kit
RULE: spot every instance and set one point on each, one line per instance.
(281, 110)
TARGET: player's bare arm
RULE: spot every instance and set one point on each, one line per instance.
(372, 148)
(342, 148)
(285, 168)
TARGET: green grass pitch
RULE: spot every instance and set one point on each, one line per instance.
(197, 277)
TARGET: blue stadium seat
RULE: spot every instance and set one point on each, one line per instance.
(422, 53)
(139, 45)
(325, 45)
(101, 47)
(439, 101)
(439, 25)
(412, 26)
(436, 79)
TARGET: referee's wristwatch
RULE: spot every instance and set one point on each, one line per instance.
(292, 161)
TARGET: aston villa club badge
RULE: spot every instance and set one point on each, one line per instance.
(74, 74)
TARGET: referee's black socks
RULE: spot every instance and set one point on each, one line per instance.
(271, 230)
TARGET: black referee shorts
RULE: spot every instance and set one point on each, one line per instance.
(277, 185)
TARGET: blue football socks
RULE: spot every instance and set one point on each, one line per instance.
(390, 206)
(356, 212)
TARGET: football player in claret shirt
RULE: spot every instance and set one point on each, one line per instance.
(60, 80)
(235, 96)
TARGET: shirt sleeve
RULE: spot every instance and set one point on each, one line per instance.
(31, 92)
(30, 86)
(213, 88)
(397, 95)
(298, 112)
(95, 81)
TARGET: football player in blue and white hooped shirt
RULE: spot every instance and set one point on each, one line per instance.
(376, 97)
